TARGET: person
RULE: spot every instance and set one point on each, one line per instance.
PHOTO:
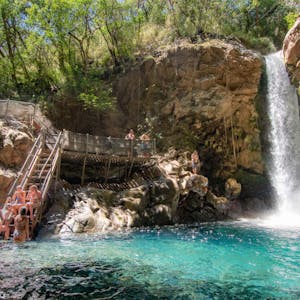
(19, 198)
(195, 162)
(21, 232)
(130, 136)
(33, 199)
(7, 217)
(145, 138)
(4, 227)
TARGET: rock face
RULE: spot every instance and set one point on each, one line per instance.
(291, 51)
(177, 196)
(15, 143)
(196, 96)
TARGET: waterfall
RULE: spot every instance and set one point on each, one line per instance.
(284, 137)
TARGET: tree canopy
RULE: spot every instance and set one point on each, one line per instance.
(70, 47)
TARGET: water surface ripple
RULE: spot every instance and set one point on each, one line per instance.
(212, 261)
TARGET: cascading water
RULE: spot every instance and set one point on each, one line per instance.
(284, 136)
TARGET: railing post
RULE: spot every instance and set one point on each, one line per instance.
(7, 104)
(84, 161)
(154, 146)
(131, 148)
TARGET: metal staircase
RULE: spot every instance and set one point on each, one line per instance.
(39, 169)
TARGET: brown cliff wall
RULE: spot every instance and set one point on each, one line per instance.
(199, 96)
(194, 96)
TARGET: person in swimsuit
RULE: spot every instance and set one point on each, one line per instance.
(33, 199)
(195, 161)
(18, 198)
(130, 136)
(7, 215)
(145, 140)
(21, 233)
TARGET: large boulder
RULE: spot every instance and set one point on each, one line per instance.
(14, 146)
(6, 179)
(232, 188)
(291, 51)
(15, 143)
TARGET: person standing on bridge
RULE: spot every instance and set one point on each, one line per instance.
(21, 233)
(130, 136)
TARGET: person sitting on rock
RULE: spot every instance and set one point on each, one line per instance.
(6, 215)
(21, 233)
(33, 199)
(18, 198)
(195, 162)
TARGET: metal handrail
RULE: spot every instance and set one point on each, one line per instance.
(20, 173)
(49, 175)
(52, 153)
(79, 143)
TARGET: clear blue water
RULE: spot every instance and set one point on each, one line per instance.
(209, 261)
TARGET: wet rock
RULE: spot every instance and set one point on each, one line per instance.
(197, 184)
(177, 196)
(161, 215)
(221, 204)
(232, 189)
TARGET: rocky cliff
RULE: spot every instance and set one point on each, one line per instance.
(191, 96)
(291, 51)
(199, 96)
(15, 143)
(174, 196)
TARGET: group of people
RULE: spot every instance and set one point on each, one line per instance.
(16, 210)
(144, 138)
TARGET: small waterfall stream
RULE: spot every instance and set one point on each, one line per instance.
(284, 137)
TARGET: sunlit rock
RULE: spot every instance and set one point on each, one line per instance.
(291, 51)
(232, 189)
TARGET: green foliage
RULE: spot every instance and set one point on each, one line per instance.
(67, 47)
(290, 18)
(102, 101)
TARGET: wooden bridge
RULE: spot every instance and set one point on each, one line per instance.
(43, 162)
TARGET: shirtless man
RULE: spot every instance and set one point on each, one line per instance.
(33, 199)
(145, 139)
(18, 198)
(130, 136)
(21, 233)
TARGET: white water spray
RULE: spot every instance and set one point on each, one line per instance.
(285, 141)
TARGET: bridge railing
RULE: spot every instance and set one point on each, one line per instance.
(86, 143)
(26, 111)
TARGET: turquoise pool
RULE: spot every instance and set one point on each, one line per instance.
(237, 260)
